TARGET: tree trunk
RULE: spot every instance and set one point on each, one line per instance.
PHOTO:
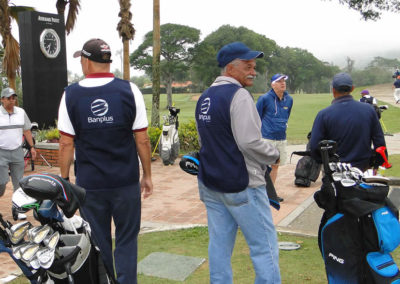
(169, 93)
(155, 110)
(126, 71)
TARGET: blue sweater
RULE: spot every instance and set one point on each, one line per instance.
(274, 114)
(353, 125)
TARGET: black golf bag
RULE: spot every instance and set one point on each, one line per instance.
(359, 227)
(307, 169)
(59, 250)
(169, 141)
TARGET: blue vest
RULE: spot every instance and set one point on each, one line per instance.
(105, 149)
(222, 166)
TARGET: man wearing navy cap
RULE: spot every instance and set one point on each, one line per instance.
(233, 158)
(352, 124)
(274, 109)
(104, 120)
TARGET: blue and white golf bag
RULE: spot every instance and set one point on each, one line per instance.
(359, 228)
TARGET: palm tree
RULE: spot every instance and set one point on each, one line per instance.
(155, 110)
(126, 32)
(74, 6)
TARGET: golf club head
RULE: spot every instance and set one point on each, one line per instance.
(22, 203)
(51, 241)
(348, 182)
(34, 263)
(337, 176)
(29, 251)
(17, 232)
(16, 250)
(38, 234)
(46, 257)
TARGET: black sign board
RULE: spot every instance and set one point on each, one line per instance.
(43, 64)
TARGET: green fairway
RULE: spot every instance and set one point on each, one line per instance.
(305, 108)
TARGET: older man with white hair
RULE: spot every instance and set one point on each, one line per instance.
(274, 109)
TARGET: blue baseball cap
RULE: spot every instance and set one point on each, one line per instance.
(342, 80)
(236, 50)
(278, 77)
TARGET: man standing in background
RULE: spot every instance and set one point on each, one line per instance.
(14, 123)
(274, 109)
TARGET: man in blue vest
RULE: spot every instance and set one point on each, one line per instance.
(104, 119)
(233, 158)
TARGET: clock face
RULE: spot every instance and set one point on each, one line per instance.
(50, 43)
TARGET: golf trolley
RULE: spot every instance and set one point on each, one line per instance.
(169, 139)
(60, 249)
(359, 227)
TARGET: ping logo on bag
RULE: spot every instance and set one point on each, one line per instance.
(335, 258)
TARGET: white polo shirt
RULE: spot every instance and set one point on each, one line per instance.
(12, 126)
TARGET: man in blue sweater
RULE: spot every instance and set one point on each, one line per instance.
(352, 124)
(233, 158)
(274, 109)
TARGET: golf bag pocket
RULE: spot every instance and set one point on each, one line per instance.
(341, 249)
(382, 268)
(387, 229)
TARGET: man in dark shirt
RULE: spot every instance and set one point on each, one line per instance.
(396, 88)
(353, 125)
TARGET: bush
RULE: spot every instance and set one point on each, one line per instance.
(154, 135)
(188, 137)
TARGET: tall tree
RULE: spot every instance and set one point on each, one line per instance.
(126, 32)
(155, 106)
(177, 43)
(372, 9)
(205, 62)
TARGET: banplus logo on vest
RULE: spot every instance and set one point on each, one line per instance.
(205, 107)
(99, 108)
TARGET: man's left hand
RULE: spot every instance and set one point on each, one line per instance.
(146, 187)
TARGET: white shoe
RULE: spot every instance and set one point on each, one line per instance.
(21, 216)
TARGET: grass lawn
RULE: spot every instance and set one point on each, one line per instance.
(305, 108)
(304, 265)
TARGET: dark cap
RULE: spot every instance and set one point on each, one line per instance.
(236, 50)
(96, 50)
(342, 80)
(7, 92)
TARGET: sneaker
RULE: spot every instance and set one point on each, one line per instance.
(21, 216)
(280, 199)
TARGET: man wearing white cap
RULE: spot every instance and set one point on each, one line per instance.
(14, 123)
(274, 109)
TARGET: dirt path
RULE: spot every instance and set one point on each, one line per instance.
(383, 93)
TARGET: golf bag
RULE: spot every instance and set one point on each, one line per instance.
(169, 142)
(61, 248)
(359, 227)
(307, 169)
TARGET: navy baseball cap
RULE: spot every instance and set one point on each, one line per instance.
(236, 50)
(96, 50)
(278, 77)
(342, 80)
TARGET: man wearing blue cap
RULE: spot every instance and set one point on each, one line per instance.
(274, 109)
(352, 124)
(233, 158)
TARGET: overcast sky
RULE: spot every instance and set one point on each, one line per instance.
(325, 28)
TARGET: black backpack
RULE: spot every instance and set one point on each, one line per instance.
(307, 169)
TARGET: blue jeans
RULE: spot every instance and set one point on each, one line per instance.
(249, 210)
